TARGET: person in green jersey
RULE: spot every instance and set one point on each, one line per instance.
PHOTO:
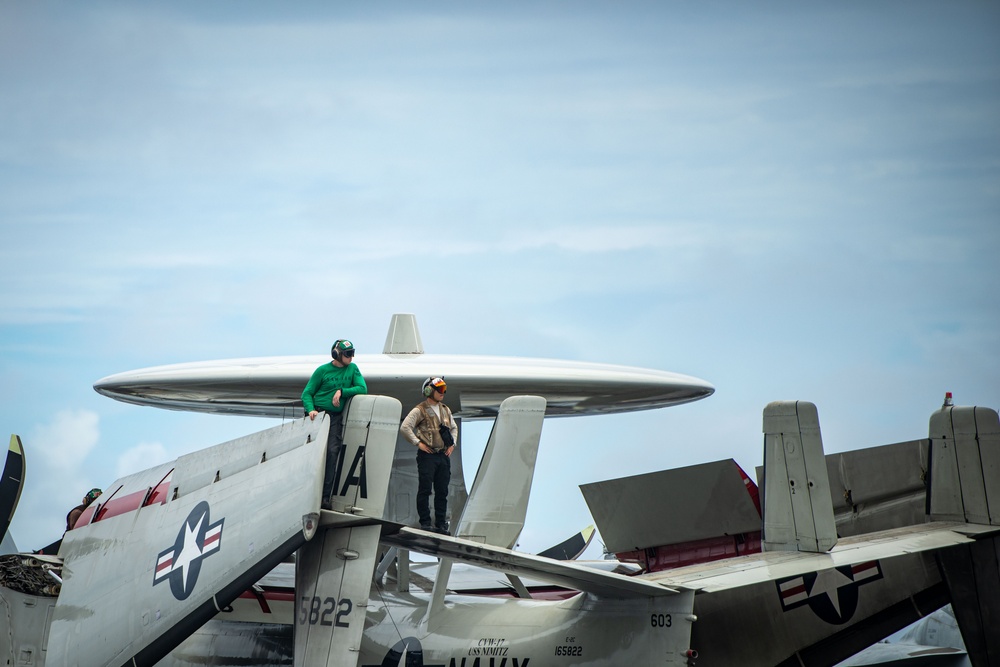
(328, 390)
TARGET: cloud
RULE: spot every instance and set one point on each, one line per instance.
(142, 456)
(783, 210)
(58, 456)
(65, 442)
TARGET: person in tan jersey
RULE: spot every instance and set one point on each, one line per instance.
(431, 428)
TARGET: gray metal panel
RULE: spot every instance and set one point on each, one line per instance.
(370, 429)
(973, 577)
(988, 429)
(946, 486)
(965, 464)
(970, 465)
(772, 565)
(798, 512)
(334, 571)
(401, 503)
(877, 474)
(877, 488)
(498, 501)
(24, 627)
(116, 601)
(562, 573)
(333, 577)
(672, 506)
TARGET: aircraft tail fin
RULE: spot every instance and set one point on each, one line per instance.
(798, 511)
(370, 423)
(965, 486)
(498, 501)
(333, 572)
(965, 465)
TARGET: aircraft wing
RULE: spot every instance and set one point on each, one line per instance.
(561, 573)
(171, 546)
(773, 565)
(904, 655)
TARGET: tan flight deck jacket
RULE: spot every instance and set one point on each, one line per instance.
(422, 425)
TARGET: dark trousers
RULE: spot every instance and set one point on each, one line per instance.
(433, 473)
(334, 447)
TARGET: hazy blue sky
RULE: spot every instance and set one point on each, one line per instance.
(789, 200)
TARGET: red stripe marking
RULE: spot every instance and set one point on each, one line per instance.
(85, 518)
(860, 567)
(122, 505)
(273, 594)
(795, 590)
(125, 504)
(159, 494)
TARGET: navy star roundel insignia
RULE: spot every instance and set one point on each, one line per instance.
(831, 594)
(197, 539)
(408, 653)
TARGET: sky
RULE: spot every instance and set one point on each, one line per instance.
(792, 201)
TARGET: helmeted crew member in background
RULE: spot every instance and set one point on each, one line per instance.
(431, 427)
(328, 390)
(74, 514)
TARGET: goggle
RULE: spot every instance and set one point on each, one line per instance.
(442, 389)
(347, 353)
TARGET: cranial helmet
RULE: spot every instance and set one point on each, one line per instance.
(91, 495)
(341, 346)
(430, 384)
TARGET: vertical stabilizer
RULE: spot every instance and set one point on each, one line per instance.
(798, 511)
(498, 501)
(333, 572)
(965, 486)
(370, 429)
(965, 465)
(403, 336)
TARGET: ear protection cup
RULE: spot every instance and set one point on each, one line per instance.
(333, 351)
(428, 387)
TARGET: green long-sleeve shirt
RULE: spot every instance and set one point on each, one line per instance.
(324, 383)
